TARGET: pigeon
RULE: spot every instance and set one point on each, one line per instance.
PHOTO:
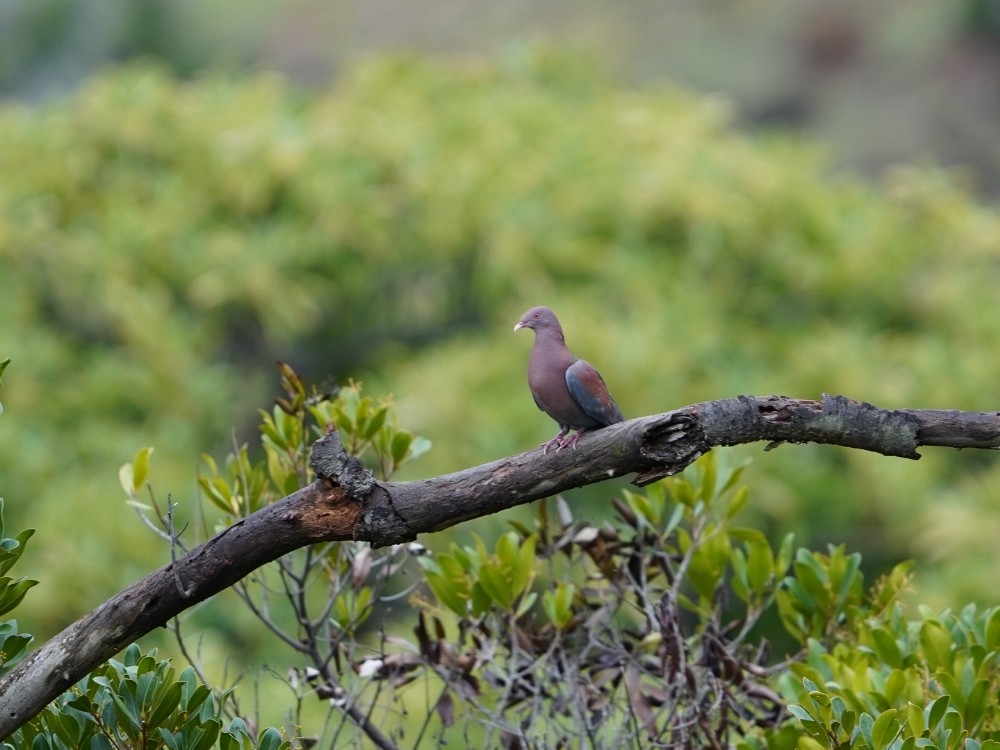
(564, 386)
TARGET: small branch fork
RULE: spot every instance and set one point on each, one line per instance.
(346, 502)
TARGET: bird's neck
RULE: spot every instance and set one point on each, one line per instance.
(550, 336)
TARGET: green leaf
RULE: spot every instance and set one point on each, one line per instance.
(191, 703)
(375, 422)
(167, 699)
(915, 719)
(524, 563)
(952, 725)
(401, 442)
(418, 447)
(65, 726)
(126, 478)
(12, 549)
(708, 464)
(269, 739)
(865, 725)
(169, 740)
(976, 702)
(992, 634)
(558, 604)
(205, 735)
(526, 603)
(785, 552)
(886, 648)
(11, 593)
(740, 580)
(809, 723)
(936, 642)
(133, 475)
(642, 506)
(885, 729)
(849, 720)
(497, 586)
(935, 711)
(738, 502)
(449, 581)
(760, 567)
(141, 467)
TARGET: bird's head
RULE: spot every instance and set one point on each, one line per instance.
(537, 319)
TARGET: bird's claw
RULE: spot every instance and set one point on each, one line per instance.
(557, 441)
(560, 441)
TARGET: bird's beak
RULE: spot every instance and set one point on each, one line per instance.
(519, 326)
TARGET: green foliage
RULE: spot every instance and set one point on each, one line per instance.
(163, 240)
(470, 581)
(319, 599)
(140, 702)
(132, 476)
(822, 592)
(867, 676)
(368, 429)
(898, 682)
(563, 630)
(605, 604)
(13, 644)
(137, 702)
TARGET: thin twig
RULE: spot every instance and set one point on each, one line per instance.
(184, 591)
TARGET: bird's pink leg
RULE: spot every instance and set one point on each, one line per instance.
(571, 441)
(557, 441)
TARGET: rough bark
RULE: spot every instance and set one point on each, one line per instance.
(346, 502)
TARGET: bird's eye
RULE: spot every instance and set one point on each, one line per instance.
(537, 316)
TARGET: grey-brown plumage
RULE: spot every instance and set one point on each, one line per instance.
(564, 386)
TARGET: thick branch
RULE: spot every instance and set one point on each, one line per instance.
(347, 503)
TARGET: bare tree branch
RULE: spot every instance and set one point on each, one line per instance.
(346, 502)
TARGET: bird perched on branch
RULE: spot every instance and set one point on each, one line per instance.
(564, 386)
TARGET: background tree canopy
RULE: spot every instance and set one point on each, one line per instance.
(162, 242)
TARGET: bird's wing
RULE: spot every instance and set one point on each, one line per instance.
(588, 390)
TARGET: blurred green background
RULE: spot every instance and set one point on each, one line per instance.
(377, 191)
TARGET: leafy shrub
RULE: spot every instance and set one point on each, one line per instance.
(162, 240)
(140, 702)
(641, 632)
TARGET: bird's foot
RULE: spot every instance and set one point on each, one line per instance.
(571, 441)
(557, 442)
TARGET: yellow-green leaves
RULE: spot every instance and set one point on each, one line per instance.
(351, 608)
(756, 568)
(369, 429)
(901, 683)
(558, 604)
(240, 487)
(133, 475)
(470, 580)
(831, 723)
(507, 573)
(707, 482)
(708, 561)
(821, 590)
